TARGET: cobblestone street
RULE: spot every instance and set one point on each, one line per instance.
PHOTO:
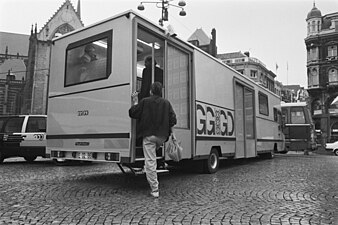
(289, 189)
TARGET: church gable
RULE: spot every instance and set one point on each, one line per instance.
(63, 21)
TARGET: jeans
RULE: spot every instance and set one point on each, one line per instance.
(150, 145)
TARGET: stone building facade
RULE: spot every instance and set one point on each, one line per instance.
(250, 67)
(322, 72)
(66, 19)
(13, 63)
(200, 39)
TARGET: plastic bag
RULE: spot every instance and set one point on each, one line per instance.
(174, 149)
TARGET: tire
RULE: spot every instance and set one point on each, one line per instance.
(61, 162)
(212, 163)
(30, 158)
(335, 152)
(2, 157)
(268, 155)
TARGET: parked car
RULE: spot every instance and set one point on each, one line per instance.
(23, 136)
(332, 147)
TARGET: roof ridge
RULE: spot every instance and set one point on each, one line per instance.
(58, 10)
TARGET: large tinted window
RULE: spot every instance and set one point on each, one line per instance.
(36, 124)
(89, 59)
(297, 115)
(2, 122)
(14, 125)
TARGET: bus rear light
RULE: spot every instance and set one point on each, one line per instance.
(115, 157)
(58, 154)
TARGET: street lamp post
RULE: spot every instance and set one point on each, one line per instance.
(164, 5)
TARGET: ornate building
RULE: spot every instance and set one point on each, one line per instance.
(66, 19)
(13, 63)
(322, 72)
(250, 67)
(200, 39)
(25, 60)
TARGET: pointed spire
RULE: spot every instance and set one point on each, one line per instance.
(78, 10)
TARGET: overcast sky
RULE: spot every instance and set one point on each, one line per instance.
(273, 31)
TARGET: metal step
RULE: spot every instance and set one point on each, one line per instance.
(142, 159)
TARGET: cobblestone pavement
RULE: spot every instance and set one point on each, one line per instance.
(289, 189)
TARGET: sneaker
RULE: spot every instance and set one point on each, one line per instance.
(155, 194)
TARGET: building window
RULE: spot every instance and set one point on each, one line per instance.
(334, 131)
(253, 73)
(332, 51)
(263, 104)
(313, 26)
(317, 108)
(313, 54)
(333, 107)
(333, 76)
(314, 77)
(241, 71)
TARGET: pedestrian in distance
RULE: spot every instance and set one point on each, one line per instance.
(157, 118)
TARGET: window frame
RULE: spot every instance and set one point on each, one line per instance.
(105, 35)
(261, 110)
(38, 119)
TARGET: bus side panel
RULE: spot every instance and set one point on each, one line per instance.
(227, 147)
(84, 114)
(214, 106)
(268, 129)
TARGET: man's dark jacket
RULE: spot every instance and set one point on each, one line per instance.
(156, 116)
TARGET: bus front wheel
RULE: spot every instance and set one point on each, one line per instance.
(2, 157)
(212, 163)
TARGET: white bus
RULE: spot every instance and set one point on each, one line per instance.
(221, 113)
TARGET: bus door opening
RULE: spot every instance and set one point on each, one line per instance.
(245, 123)
(150, 68)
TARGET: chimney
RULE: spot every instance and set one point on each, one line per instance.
(247, 54)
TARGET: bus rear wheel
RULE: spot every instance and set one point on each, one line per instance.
(212, 163)
(30, 158)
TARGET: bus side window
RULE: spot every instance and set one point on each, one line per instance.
(297, 115)
(275, 115)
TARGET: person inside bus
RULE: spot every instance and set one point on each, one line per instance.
(157, 117)
(88, 56)
(147, 75)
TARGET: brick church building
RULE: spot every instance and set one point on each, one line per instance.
(24, 74)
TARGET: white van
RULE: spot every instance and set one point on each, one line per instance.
(220, 113)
